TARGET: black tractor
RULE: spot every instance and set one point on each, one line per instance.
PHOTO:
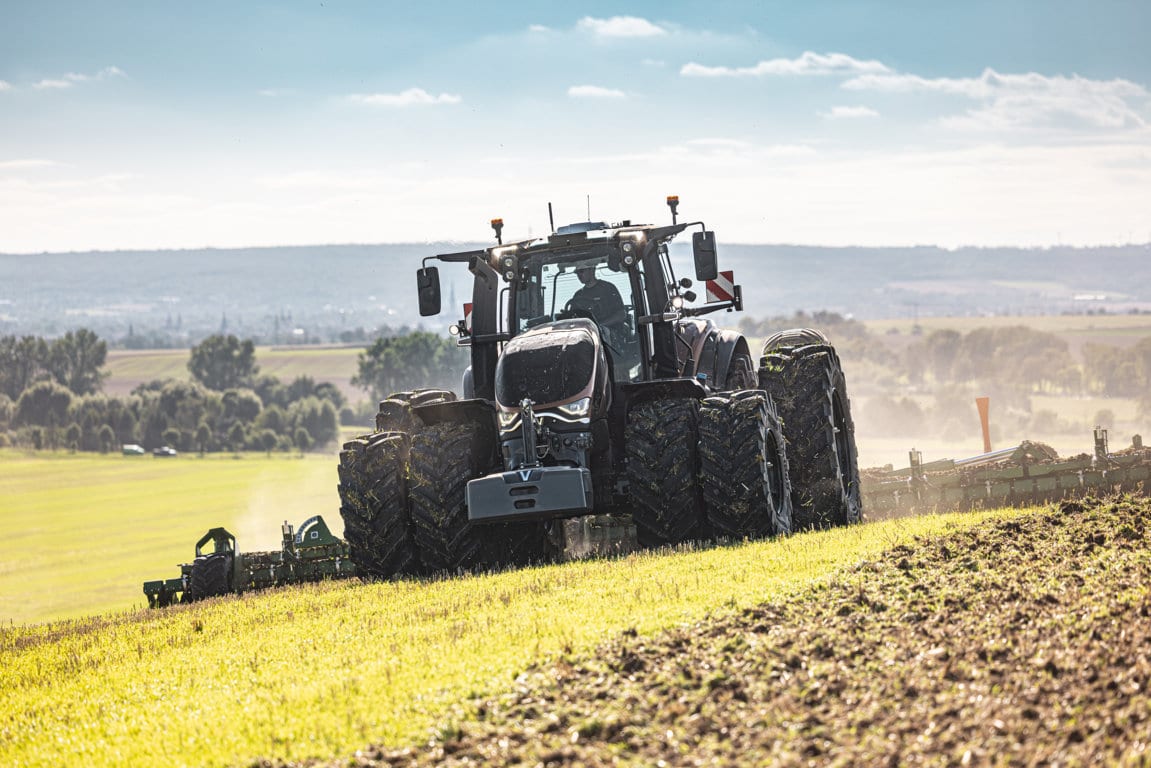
(599, 399)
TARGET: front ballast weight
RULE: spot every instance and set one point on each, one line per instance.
(310, 554)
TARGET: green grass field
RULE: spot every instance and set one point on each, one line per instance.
(83, 531)
(321, 670)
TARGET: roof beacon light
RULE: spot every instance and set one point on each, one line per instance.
(673, 203)
(498, 227)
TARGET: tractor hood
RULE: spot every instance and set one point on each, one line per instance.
(551, 365)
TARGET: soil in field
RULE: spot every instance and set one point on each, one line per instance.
(1026, 642)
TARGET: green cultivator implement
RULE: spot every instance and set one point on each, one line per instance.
(311, 554)
(1030, 473)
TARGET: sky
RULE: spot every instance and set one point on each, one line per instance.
(149, 125)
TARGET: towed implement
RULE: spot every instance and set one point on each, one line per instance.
(311, 554)
(1029, 473)
(601, 409)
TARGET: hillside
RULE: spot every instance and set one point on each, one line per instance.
(972, 639)
(1023, 641)
(347, 293)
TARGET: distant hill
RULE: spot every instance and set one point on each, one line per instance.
(350, 292)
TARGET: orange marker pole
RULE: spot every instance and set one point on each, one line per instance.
(984, 404)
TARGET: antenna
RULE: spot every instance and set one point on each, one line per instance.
(551, 219)
(589, 207)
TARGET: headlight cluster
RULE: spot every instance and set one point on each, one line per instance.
(579, 409)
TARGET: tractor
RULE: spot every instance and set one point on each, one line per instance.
(600, 399)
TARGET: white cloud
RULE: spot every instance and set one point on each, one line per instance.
(839, 113)
(808, 63)
(594, 92)
(47, 84)
(12, 165)
(538, 28)
(72, 78)
(1017, 100)
(5, 86)
(620, 26)
(409, 98)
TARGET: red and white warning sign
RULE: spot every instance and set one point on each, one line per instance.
(468, 317)
(722, 288)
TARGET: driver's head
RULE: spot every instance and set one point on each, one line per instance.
(586, 274)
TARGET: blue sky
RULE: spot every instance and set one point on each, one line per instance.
(168, 125)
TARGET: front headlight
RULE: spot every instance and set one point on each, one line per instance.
(579, 409)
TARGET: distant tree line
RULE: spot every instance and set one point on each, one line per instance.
(1009, 364)
(51, 399)
(75, 361)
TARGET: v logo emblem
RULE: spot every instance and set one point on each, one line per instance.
(525, 475)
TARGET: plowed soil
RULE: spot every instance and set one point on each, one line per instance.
(1027, 642)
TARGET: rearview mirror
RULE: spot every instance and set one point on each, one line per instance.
(428, 287)
(703, 247)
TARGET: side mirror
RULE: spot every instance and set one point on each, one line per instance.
(428, 287)
(703, 247)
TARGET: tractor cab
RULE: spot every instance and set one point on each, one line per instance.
(556, 287)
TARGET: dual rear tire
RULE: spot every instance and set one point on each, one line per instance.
(711, 469)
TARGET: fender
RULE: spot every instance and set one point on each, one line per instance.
(482, 413)
(645, 391)
(729, 344)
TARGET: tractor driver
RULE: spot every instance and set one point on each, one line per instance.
(600, 299)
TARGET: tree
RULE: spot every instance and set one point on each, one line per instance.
(171, 437)
(241, 405)
(107, 438)
(317, 417)
(6, 410)
(76, 360)
(22, 361)
(236, 437)
(203, 437)
(224, 362)
(72, 436)
(268, 440)
(273, 418)
(303, 439)
(419, 359)
(45, 404)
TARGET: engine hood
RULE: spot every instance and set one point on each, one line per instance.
(551, 365)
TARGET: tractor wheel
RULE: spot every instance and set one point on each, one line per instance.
(808, 387)
(395, 413)
(373, 503)
(209, 577)
(740, 374)
(443, 460)
(743, 466)
(660, 439)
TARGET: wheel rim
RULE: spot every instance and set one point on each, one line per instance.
(774, 475)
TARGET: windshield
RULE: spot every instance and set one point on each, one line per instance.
(567, 287)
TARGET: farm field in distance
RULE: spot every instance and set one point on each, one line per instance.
(129, 368)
